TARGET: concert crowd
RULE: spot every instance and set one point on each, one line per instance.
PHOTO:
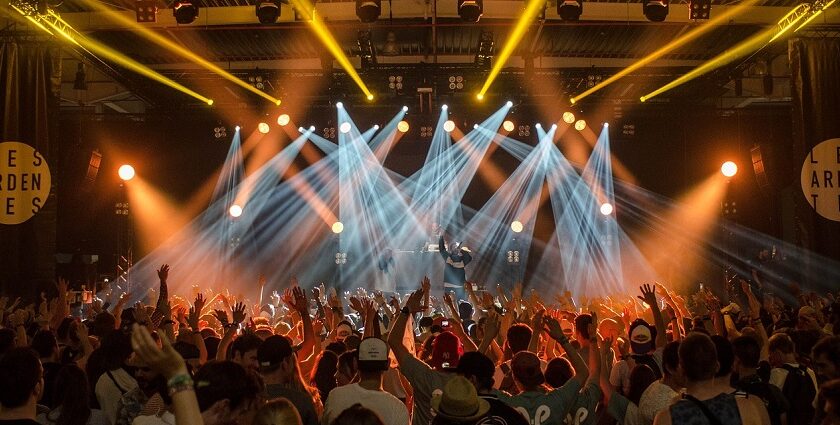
(487, 356)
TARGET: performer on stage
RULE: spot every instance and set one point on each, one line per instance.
(454, 273)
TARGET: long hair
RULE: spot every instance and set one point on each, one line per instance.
(323, 376)
(71, 395)
(640, 378)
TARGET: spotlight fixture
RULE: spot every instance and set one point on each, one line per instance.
(448, 126)
(655, 10)
(606, 208)
(508, 125)
(509, 104)
(426, 131)
(516, 226)
(235, 211)
(699, 9)
(340, 258)
(344, 127)
(370, 97)
(479, 96)
(444, 107)
(569, 10)
(405, 108)
(257, 80)
(263, 128)
(185, 11)
(238, 128)
(376, 126)
(368, 10)
(475, 126)
(580, 125)
(402, 126)
(283, 120)
(267, 11)
(146, 10)
(337, 227)
(513, 257)
(456, 82)
(553, 126)
(538, 125)
(328, 132)
(606, 124)
(470, 10)
(524, 130)
(126, 172)
(729, 169)
(220, 132)
(339, 105)
(311, 128)
(568, 117)
(395, 83)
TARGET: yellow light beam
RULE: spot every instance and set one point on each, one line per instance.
(326, 37)
(696, 32)
(61, 27)
(531, 10)
(753, 43)
(175, 48)
(814, 16)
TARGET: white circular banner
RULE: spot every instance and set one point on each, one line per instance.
(820, 179)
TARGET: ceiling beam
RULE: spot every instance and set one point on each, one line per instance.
(333, 13)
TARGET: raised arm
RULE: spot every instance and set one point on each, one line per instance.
(231, 328)
(198, 340)
(552, 326)
(649, 297)
(395, 337)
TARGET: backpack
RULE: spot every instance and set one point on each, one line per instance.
(650, 361)
(800, 392)
(770, 395)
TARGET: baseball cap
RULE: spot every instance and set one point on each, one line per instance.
(446, 350)
(526, 369)
(274, 350)
(373, 354)
(642, 337)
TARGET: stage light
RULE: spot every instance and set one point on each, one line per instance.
(516, 226)
(538, 125)
(479, 96)
(311, 128)
(370, 96)
(301, 129)
(729, 169)
(185, 11)
(606, 208)
(403, 126)
(553, 126)
(568, 117)
(700, 9)
(508, 125)
(524, 130)
(337, 227)
(126, 172)
(606, 124)
(339, 105)
(405, 108)
(263, 128)
(569, 10)
(376, 126)
(470, 10)
(655, 10)
(237, 128)
(509, 104)
(235, 211)
(444, 107)
(580, 125)
(268, 11)
(146, 11)
(368, 10)
(344, 127)
(283, 119)
(475, 126)
(448, 126)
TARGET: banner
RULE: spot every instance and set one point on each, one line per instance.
(815, 75)
(24, 182)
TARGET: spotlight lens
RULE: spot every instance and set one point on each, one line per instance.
(444, 107)
(516, 226)
(553, 126)
(509, 104)
(235, 211)
(405, 108)
(448, 126)
(337, 227)
(606, 124)
(126, 172)
(606, 208)
(376, 126)
(572, 100)
(344, 127)
(479, 96)
(263, 128)
(729, 169)
(568, 117)
(311, 128)
(508, 125)
(538, 125)
(339, 105)
(580, 125)
(283, 119)
(370, 97)
(475, 126)
(402, 126)
(238, 128)
(210, 102)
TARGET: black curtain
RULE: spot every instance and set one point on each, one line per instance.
(815, 73)
(30, 81)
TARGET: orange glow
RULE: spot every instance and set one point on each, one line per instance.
(156, 217)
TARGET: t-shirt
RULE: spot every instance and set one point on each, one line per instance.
(620, 373)
(426, 382)
(389, 408)
(624, 411)
(166, 418)
(302, 401)
(778, 376)
(541, 408)
(110, 388)
(583, 409)
(499, 374)
(656, 397)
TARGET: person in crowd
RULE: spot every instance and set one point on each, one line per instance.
(358, 415)
(661, 393)
(830, 401)
(454, 273)
(279, 411)
(347, 368)
(458, 404)
(323, 375)
(478, 369)
(282, 376)
(646, 344)
(703, 401)
(115, 381)
(72, 402)
(244, 351)
(46, 345)
(373, 361)
(747, 353)
(826, 357)
(21, 386)
(797, 382)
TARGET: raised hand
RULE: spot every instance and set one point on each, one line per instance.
(648, 294)
(298, 300)
(222, 316)
(140, 314)
(238, 313)
(378, 297)
(426, 284)
(163, 273)
(316, 294)
(552, 327)
(537, 320)
(414, 302)
(592, 328)
(356, 305)
(192, 318)
(492, 324)
(165, 360)
(199, 302)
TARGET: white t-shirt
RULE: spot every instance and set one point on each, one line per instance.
(389, 408)
(655, 398)
(109, 395)
(778, 376)
(166, 418)
(620, 373)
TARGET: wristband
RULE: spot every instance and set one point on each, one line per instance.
(180, 383)
(563, 340)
